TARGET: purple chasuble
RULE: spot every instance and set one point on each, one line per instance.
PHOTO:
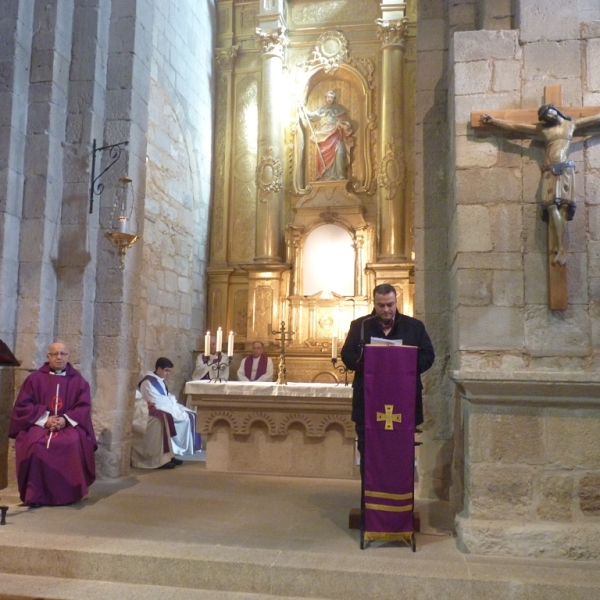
(389, 456)
(58, 473)
(260, 370)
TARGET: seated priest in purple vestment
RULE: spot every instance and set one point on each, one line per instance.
(388, 323)
(54, 439)
(257, 366)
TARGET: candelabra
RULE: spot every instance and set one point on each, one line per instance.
(342, 369)
(222, 362)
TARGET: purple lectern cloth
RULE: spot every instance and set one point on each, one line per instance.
(61, 472)
(390, 392)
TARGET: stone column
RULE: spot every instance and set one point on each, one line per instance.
(391, 199)
(43, 184)
(77, 247)
(15, 56)
(269, 172)
(117, 306)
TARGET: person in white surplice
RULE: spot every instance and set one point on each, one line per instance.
(151, 436)
(213, 369)
(153, 388)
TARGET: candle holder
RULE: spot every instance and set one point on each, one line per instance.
(342, 369)
(3, 511)
(222, 362)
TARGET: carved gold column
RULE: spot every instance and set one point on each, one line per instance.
(391, 197)
(225, 59)
(269, 172)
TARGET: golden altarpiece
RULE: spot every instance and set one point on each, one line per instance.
(314, 128)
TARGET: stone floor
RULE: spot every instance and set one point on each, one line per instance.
(192, 534)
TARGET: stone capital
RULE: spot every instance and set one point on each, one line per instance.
(225, 57)
(392, 33)
(272, 41)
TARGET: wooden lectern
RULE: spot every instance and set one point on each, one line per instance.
(387, 495)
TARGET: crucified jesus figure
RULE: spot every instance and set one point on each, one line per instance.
(558, 173)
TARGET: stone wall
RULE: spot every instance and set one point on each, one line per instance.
(178, 189)
(526, 478)
(75, 71)
(431, 239)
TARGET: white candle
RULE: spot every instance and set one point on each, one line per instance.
(334, 347)
(219, 339)
(230, 344)
(207, 344)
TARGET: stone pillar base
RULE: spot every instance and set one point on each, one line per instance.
(536, 540)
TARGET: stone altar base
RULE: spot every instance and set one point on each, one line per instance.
(295, 429)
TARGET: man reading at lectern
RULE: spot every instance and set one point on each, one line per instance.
(384, 322)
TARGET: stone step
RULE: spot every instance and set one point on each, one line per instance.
(25, 587)
(81, 565)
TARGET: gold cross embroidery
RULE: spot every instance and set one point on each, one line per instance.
(389, 417)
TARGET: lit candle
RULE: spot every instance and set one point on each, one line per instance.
(230, 344)
(334, 347)
(123, 224)
(219, 339)
(207, 344)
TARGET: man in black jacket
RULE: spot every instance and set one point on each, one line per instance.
(384, 322)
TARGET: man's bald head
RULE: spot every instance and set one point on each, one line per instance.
(58, 355)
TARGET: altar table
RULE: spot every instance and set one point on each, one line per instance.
(298, 429)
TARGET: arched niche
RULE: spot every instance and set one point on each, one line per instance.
(332, 68)
(329, 262)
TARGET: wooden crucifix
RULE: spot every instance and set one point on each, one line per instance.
(556, 129)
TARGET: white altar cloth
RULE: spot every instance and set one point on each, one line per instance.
(268, 388)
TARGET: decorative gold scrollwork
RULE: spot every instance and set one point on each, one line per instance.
(391, 170)
(269, 174)
(330, 50)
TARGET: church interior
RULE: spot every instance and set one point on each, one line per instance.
(166, 170)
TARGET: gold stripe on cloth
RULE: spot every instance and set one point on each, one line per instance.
(388, 508)
(373, 536)
(390, 496)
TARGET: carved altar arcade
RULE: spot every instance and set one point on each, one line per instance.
(290, 94)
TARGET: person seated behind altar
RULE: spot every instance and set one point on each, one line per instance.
(151, 434)
(51, 423)
(257, 366)
(212, 369)
(153, 388)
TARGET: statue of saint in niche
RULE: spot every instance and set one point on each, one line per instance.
(333, 138)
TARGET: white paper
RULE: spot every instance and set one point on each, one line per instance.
(375, 341)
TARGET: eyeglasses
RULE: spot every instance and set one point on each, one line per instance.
(55, 354)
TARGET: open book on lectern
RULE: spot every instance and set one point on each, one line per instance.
(375, 341)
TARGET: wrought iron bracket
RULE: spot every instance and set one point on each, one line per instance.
(96, 187)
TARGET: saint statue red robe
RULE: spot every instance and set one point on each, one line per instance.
(53, 469)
